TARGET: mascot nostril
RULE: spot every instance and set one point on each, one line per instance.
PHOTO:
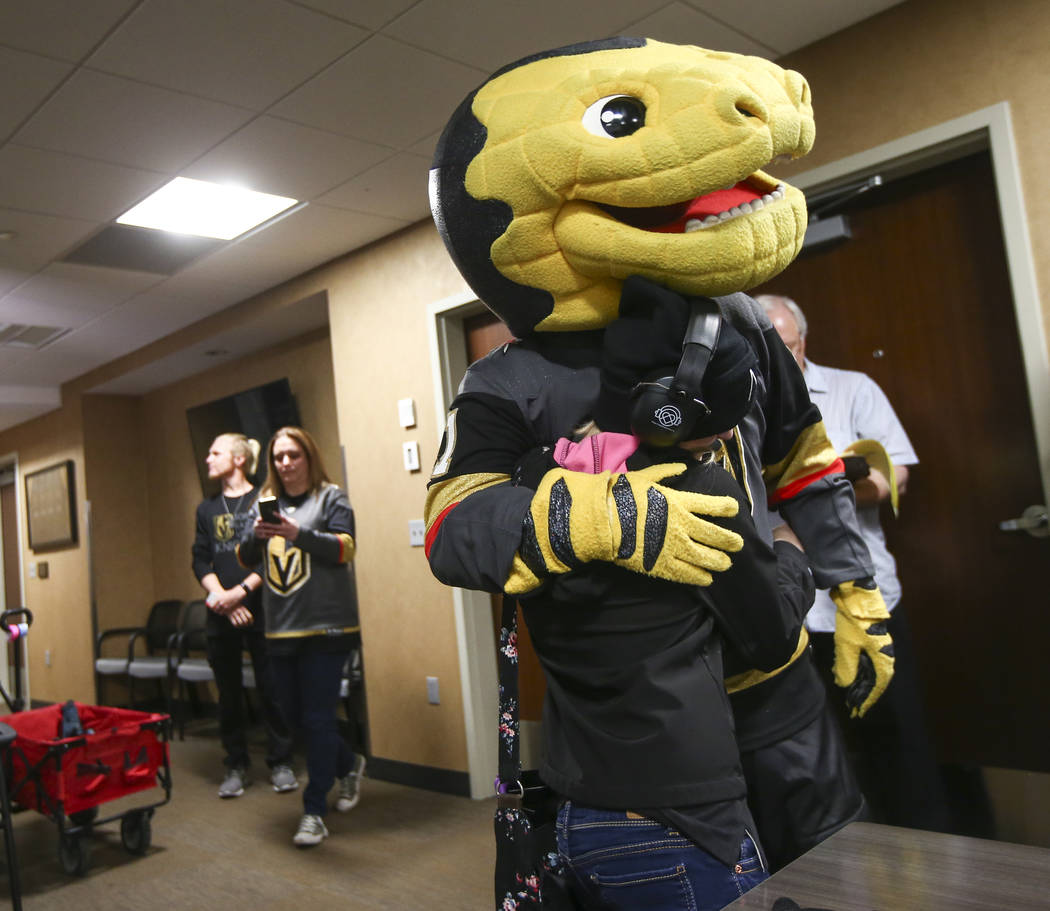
(537, 175)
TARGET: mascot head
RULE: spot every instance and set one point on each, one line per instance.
(572, 169)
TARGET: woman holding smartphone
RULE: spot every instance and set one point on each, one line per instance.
(305, 546)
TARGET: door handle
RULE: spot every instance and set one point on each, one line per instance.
(1033, 520)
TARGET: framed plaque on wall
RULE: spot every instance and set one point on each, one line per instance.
(51, 507)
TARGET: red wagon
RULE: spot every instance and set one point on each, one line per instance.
(121, 752)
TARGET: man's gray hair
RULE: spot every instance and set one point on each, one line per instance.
(772, 301)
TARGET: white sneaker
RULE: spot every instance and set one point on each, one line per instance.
(350, 786)
(311, 831)
(283, 779)
(234, 783)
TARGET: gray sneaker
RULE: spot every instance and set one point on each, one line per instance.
(311, 831)
(234, 783)
(350, 786)
(283, 779)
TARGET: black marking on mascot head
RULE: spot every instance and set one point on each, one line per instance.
(469, 226)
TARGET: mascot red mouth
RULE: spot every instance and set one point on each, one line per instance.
(701, 212)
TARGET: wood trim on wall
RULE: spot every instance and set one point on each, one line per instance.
(477, 659)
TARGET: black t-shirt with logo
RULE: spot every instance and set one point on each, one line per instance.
(221, 522)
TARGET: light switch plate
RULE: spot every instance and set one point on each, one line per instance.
(417, 532)
(410, 451)
(406, 412)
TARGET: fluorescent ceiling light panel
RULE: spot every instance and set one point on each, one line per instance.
(188, 206)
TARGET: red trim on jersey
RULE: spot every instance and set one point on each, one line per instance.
(432, 534)
(796, 487)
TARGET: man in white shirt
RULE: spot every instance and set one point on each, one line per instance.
(895, 763)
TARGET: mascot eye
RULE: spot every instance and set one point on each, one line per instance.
(615, 116)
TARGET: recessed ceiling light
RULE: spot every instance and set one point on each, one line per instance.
(187, 206)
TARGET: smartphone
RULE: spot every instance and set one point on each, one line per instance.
(268, 509)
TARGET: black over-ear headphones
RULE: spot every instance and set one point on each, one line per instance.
(665, 409)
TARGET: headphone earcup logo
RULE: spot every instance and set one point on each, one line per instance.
(669, 417)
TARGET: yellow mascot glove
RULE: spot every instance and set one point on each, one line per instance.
(863, 647)
(628, 519)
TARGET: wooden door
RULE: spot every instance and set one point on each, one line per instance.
(484, 332)
(11, 556)
(919, 299)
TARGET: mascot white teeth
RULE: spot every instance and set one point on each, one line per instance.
(598, 198)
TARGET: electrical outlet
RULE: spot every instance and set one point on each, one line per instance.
(47, 657)
(433, 696)
(417, 532)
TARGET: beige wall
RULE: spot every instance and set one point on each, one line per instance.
(377, 307)
(174, 485)
(60, 603)
(120, 510)
(913, 67)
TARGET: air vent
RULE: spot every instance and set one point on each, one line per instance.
(18, 335)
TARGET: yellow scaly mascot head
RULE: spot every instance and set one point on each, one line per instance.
(570, 170)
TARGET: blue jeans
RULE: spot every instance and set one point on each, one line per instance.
(307, 686)
(622, 863)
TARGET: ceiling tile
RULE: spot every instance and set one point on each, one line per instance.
(244, 52)
(396, 188)
(39, 238)
(60, 28)
(312, 236)
(489, 35)
(425, 147)
(786, 27)
(160, 311)
(69, 296)
(368, 13)
(27, 80)
(52, 183)
(124, 122)
(681, 24)
(209, 286)
(289, 159)
(12, 278)
(384, 92)
(58, 363)
(13, 357)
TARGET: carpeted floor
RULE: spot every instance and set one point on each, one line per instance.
(400, 849)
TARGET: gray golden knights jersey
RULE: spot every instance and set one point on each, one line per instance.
(308, 585)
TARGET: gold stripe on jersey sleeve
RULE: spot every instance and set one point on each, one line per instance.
(445, 493)
(303, 633)
(347, 547)
(811, 454)
(750, 678)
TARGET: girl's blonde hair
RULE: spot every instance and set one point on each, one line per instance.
(246, 448)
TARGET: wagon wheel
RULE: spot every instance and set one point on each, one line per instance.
(136, 832)
(74, 854)
(84, 817)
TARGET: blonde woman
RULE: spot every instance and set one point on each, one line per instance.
(306, 547)
(235, 620)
